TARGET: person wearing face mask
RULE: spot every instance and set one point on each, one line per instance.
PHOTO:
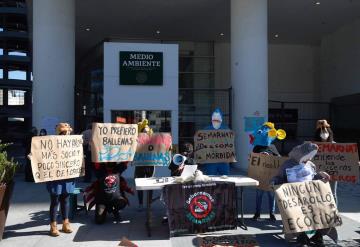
(323, 133)
(216, 168)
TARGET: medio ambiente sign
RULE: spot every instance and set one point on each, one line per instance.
(141, 68)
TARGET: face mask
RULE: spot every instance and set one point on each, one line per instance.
(324, 135)
(216, 124)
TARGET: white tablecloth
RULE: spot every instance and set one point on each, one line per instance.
(156, 183)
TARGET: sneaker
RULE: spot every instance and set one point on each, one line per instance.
(140, 207)
(256, 216)
(117, 217)
(303, 240)
(272, 217)
(317, 240)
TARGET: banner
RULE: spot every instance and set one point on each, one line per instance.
(339, 160)
(307, 206)
(201, 207)
(154, 150)
(57, 157)
(112, 142)
(214, 146)
(263, 168)
(228, 240)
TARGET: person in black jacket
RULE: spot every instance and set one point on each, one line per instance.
(109, 196)
(187, 150)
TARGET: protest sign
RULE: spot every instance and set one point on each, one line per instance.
(263, 168)
(113, 142)
(228, 240)
(200, 207)
(153, 150)
(307, 206)
(57, 157)
(214, 146)
(339, 160)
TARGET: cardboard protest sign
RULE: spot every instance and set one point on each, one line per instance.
(112, 142)
(57, 157)
(200, 207)
(228, 240)
(307, 206)
(339, 160)
(153, 150)
(263, 168)
(214, 146)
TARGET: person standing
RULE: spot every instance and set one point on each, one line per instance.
(221, 168)
(261, 139)
(144, 171)
(324, 133)
(60, 191)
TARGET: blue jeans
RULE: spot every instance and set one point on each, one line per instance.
(215, 169)
(259, 196)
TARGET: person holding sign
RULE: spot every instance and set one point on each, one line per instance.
(299, 168)
(323, 133)
(261, 139)
(59, 193)
(216, 168)
(144, 171)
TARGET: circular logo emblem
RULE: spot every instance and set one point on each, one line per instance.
(141, 77)
(200, 206)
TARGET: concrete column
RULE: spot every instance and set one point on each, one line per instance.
(249, 68)
(53, 60)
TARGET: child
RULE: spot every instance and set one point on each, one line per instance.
(299, 168)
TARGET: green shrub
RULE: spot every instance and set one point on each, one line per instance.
(7, 166)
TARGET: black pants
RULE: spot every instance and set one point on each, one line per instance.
(63, 199)
(28, 171)
(144, 172)
(101, 209)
